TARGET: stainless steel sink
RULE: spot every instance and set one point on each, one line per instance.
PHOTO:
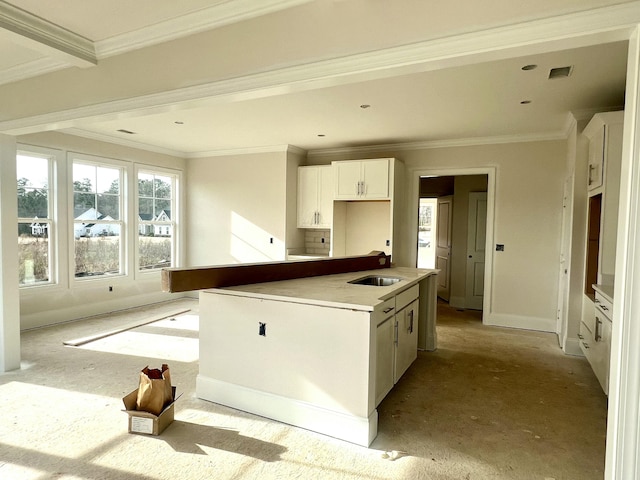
(375, 280)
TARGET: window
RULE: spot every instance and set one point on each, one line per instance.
(98, 220)
(35, 218)
(156, 220)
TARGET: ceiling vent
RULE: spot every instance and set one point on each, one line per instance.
(129, 132)
(560, 72)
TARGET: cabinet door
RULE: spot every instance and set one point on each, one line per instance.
(384, 358)
(375, 178)
(596, 160)
(407, 338)
(325, 196)
(307, 196)
(347, 180)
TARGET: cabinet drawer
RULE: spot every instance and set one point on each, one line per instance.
(407, 296)
(604, 306)
(385, 310)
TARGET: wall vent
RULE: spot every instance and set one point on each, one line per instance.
(560, 72)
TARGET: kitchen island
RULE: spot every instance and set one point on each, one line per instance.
(317, 352)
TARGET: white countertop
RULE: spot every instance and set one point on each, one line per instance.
(605, 290)
(331, 290)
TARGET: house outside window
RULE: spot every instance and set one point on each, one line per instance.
(156, 220)
(35, 218)
(97, 218)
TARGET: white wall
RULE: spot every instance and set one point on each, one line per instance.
(70, 300)
(528, 215)
(236, 205)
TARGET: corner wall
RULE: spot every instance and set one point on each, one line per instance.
(527, 220)
(69, 300)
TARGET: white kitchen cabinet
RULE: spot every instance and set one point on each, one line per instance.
(396, 339)
(604, 132)
(406, 338)
(362, 179)
(315, 196)
(595, 338)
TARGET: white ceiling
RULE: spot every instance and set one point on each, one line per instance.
(466, 102)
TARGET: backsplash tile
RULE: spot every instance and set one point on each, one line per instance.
(317, 241)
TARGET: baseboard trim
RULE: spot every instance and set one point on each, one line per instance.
(354, 429)
(520, 321)
(572, 347)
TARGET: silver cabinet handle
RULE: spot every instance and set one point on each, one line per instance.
(395, 333)
(586, 345)
(387, 310)
(410, 330)
(598, 335)
(580, 336)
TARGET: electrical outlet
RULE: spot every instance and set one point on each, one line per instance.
(110, 288)
(499, 247)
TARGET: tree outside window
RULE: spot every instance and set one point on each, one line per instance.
(35, 222)
(156, 222)
(97, 224)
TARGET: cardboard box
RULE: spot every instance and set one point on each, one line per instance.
(145, 422)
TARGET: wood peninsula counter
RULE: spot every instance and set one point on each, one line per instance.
(317, 352)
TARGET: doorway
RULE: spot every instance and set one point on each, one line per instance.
(452, 235)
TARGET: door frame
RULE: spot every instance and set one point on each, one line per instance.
(491, 172)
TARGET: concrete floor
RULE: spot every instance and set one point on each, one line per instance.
(490, 403)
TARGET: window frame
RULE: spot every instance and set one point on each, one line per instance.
(54, 218)
(124, 169)
(173, 223)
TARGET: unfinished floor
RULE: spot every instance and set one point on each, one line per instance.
(490, 403)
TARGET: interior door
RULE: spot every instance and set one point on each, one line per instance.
(476, 247)
(443, 245)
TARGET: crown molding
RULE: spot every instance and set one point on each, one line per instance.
(30, 69)
(247, 151)
(589, 27)
(208, 18)
(428, 145)
(41, 35)
(101, 137)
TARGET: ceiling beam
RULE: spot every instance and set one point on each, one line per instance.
(38, 34)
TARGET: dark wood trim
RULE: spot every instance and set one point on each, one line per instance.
(188, 279)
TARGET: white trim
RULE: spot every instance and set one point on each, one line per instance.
(248, 151)
(125, 142)
(209, 18)
(520, 321)
(30, 69)
(433, 144)
(354, 429)
(573, 30)
(572, 347)
(46, 37)
(623, 429)
(491, 172)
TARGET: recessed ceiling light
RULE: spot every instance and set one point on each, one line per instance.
(178, 122)
(321, 134)
(364, 105)
(531, 66)
(525, 102)
(128, 132)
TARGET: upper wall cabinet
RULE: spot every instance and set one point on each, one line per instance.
(315, 196)
(604, 132)
(362, 179)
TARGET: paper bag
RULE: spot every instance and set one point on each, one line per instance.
(154, 391)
